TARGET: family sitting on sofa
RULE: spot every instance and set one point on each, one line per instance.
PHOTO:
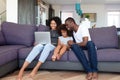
(61, 35)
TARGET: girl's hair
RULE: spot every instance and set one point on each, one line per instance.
(63, 27)
(57, 21)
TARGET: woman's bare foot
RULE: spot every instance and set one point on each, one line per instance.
(95, 76)
(19, 77)
(89, 76)
(32, 74)
(27, 77)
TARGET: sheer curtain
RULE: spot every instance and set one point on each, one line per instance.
(113, 18)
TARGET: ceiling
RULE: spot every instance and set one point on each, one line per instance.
(57, 2)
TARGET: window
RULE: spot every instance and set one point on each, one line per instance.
(65, 15)
(114, 18)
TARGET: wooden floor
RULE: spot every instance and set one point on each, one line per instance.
(62, 75)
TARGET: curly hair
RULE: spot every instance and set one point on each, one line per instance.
(63, 27)
(57, 21)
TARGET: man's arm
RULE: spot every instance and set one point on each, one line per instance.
(84, 43)
(85, 40)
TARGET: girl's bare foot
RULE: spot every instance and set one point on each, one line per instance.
(89, 76)
(95, 76)
(59, 56)
(54, 57)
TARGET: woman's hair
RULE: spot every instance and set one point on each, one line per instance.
(57, 21)
(63, 27)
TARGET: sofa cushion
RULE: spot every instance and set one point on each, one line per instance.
(105, 37)
(108, 55)
(18, 34)
(2, 40)
(72, 57)
(63, 58)
(23, 53)
(8, 53)
(43, 28)
(102, 55)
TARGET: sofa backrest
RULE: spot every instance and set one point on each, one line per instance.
(18, 34)
(2, 40)
(43, 28)
(105, 37)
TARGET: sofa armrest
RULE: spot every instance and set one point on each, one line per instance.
(119, 41)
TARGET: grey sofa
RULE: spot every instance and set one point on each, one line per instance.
(16, 41)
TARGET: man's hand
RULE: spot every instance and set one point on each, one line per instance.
(70, 42)
(84, 43)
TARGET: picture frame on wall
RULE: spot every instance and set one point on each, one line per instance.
(90, 16)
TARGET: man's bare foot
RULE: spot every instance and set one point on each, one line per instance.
(89, 76)
(95, 76)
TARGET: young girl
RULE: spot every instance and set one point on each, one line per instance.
(62, 46)
(53, 23)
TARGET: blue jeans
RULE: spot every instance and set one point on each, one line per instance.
(45, 51)
(91, 65)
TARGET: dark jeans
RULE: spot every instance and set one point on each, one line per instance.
(91, 65)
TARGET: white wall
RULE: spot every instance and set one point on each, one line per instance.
(67, 8)
(101, 13)
(113, 7)
(100, 9)
(12, 10)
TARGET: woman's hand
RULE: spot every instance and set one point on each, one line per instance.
(35, 44)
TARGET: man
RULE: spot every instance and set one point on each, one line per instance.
(83, 42)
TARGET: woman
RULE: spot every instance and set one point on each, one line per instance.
(53, 23)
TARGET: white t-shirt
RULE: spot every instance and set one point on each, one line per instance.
(64, 40)
(82, 32)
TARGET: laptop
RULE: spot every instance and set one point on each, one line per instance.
(42, 37)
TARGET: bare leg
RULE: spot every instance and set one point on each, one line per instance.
(62, 51)
(22, 70)
(56, 51)
(34, 71)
